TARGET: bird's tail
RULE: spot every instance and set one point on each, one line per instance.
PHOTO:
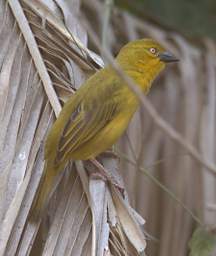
(46, 188)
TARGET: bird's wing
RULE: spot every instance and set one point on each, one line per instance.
(86, 121)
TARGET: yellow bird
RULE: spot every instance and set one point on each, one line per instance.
(95, 117)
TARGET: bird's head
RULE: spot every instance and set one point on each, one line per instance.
(145, 56)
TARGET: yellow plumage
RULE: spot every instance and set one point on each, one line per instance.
(99, 112)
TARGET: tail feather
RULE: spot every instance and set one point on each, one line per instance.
(47, 187)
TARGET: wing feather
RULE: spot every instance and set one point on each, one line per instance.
(88, 122)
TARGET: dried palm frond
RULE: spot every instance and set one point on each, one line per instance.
(42, 62)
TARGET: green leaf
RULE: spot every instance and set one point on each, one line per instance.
(202, 243)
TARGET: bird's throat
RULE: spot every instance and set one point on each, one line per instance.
(144, 78)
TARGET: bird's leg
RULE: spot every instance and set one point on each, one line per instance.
(105, 176)
(110, 153)
(102, 172)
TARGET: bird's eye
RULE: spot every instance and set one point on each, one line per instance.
(153, 50)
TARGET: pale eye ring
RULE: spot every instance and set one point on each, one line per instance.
(152, 50)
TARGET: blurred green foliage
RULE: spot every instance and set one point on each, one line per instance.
(194, 18)
(202, 243)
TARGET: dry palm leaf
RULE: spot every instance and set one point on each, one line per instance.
(41, 65)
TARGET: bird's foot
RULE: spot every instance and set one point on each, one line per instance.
(105, 176)
(98, 176)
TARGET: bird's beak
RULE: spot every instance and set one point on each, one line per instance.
(167, 57)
